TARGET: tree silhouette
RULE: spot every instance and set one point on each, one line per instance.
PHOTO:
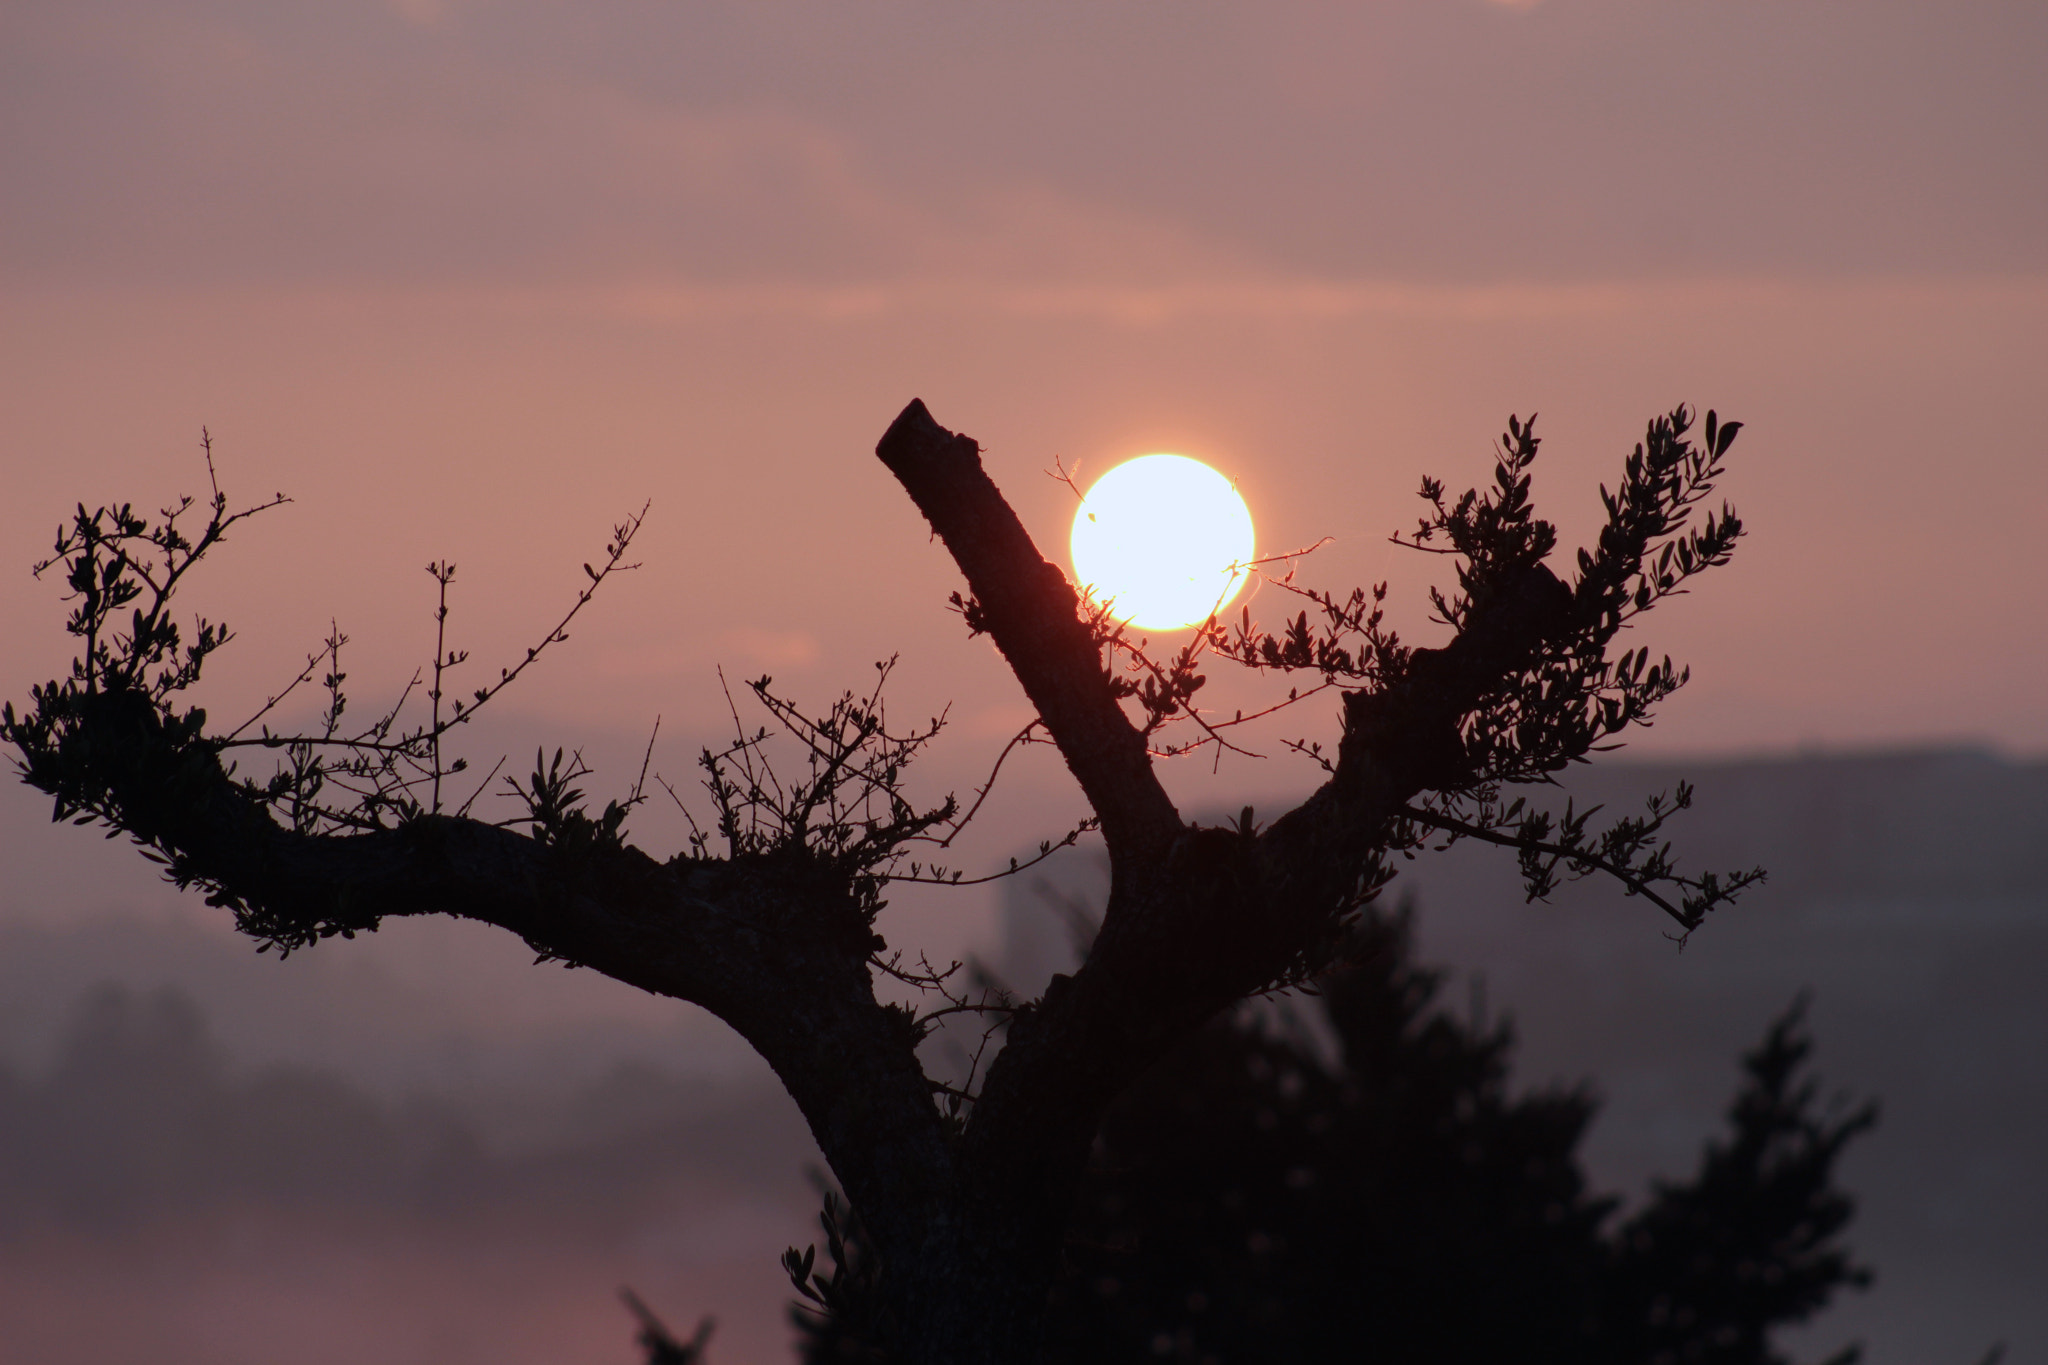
(1250, 1200)
(963, 1191)
(1253, 1199)
(662, 1346)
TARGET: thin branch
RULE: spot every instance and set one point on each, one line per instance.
(622, 538)
(1032, 613)
(1293, 697)
(698, 838)
(1059, 473)
(640, 783)
(312, 662)
(1287, 556)
(1412, 544)
(1045, 851)
(464, 809)
(444, 574)
(1580, 857)
(967, 1009)
(1022, 737)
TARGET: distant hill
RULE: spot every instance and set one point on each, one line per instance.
(1914, 827)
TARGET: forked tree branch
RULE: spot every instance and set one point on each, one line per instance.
(1198, 918)
(1033, 614)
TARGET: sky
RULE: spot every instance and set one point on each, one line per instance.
(475, 279)
(472, 279)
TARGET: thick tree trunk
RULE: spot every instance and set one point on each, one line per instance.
(976, 1297)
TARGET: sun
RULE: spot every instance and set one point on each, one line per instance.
(1163, 540)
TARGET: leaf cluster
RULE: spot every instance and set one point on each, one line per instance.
(554, 807)
(844, 806)
(114, 743)
(1573, 696)
(1564, 698)
(845, 1306)
(121, 571)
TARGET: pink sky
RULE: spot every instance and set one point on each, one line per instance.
(472, 279)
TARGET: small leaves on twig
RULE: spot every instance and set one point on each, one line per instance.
(117, 562)
(384, 768)
(851, 1294)
(1555, 847)
(1558, 702)
(847, 808)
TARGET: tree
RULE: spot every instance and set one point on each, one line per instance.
(963, 1192)
(1253, 1198)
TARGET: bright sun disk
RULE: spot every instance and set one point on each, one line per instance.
(1165, 540)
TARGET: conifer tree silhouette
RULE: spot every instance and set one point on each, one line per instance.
(1250, 1201)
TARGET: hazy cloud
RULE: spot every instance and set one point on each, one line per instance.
(1145, 144)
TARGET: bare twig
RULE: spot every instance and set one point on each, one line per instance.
(1022, 737)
